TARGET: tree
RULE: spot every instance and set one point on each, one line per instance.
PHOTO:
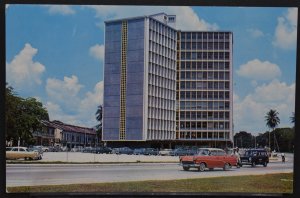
(99, 119)
(272, 120)
(22, 116)
(244, 139)
(293, 118)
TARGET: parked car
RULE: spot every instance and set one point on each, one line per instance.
(123, 150)
(139, 151)
(65, 149)
(43, 148)
(77, 149)
(39, 150)
(100, 150)
(208, 158)
(87, 149)
(8, 148)
(22, 152)
(55, 149)
(165, 152)
(255, 156)
(151, 151)
(183, 151)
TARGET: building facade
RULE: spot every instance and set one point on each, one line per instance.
(163, 85)
(204, 88)
(140, 79)
(58, 133)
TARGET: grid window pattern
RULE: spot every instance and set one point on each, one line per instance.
(122, 132)
(204, 110)
(161, 81)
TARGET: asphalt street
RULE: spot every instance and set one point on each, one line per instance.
(55, 174)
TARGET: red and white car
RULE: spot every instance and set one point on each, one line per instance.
(208, 158)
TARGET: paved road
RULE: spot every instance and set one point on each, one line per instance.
(37, 174)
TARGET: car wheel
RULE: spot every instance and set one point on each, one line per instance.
(186, 168)
(265, 164)
(253, 164)
(226, 167)
(202, 167)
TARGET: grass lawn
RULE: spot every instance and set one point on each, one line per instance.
(269, 183)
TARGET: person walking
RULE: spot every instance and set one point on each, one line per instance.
(237, 154)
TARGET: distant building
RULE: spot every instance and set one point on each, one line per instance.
(59, 133)
(165, 87)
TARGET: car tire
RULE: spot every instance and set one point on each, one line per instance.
(202, 167)
(265, 164)
(253, 164)
(226, 167)
(186, 168)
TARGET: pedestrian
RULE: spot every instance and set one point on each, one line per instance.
(282, 157)
(237, 154)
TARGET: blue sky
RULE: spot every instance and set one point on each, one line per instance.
(56, 54)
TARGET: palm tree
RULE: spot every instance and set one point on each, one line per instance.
(272, 120)
(293, 118)
(99, 119)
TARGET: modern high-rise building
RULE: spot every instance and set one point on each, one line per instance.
(164, 86)
(204, 88)
(140, 79)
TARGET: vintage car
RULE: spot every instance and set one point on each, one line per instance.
(165, 152)
(22, 152)
(208, 158)
(255, 156)
(151, 151)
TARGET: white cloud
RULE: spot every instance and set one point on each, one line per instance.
(249, 112)
(67, 106)
(258, 70)
(186, 18)
(22, 70)
(256, 33)
(60, 9)
(97, 51)
(286, 30)
(64, 92)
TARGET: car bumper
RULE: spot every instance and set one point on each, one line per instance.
(190, 165)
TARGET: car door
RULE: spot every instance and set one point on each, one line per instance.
(219, 158)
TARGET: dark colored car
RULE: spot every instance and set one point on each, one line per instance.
(183, 151)
(139, 151)
(254, 157)
(88, 150)
(123, 150)
(151, 151)
(101, 150)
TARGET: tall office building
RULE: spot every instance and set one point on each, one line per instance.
(204, 88)
(164, 85)
(140, 79)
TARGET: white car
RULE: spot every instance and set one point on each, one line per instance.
(164, 152)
